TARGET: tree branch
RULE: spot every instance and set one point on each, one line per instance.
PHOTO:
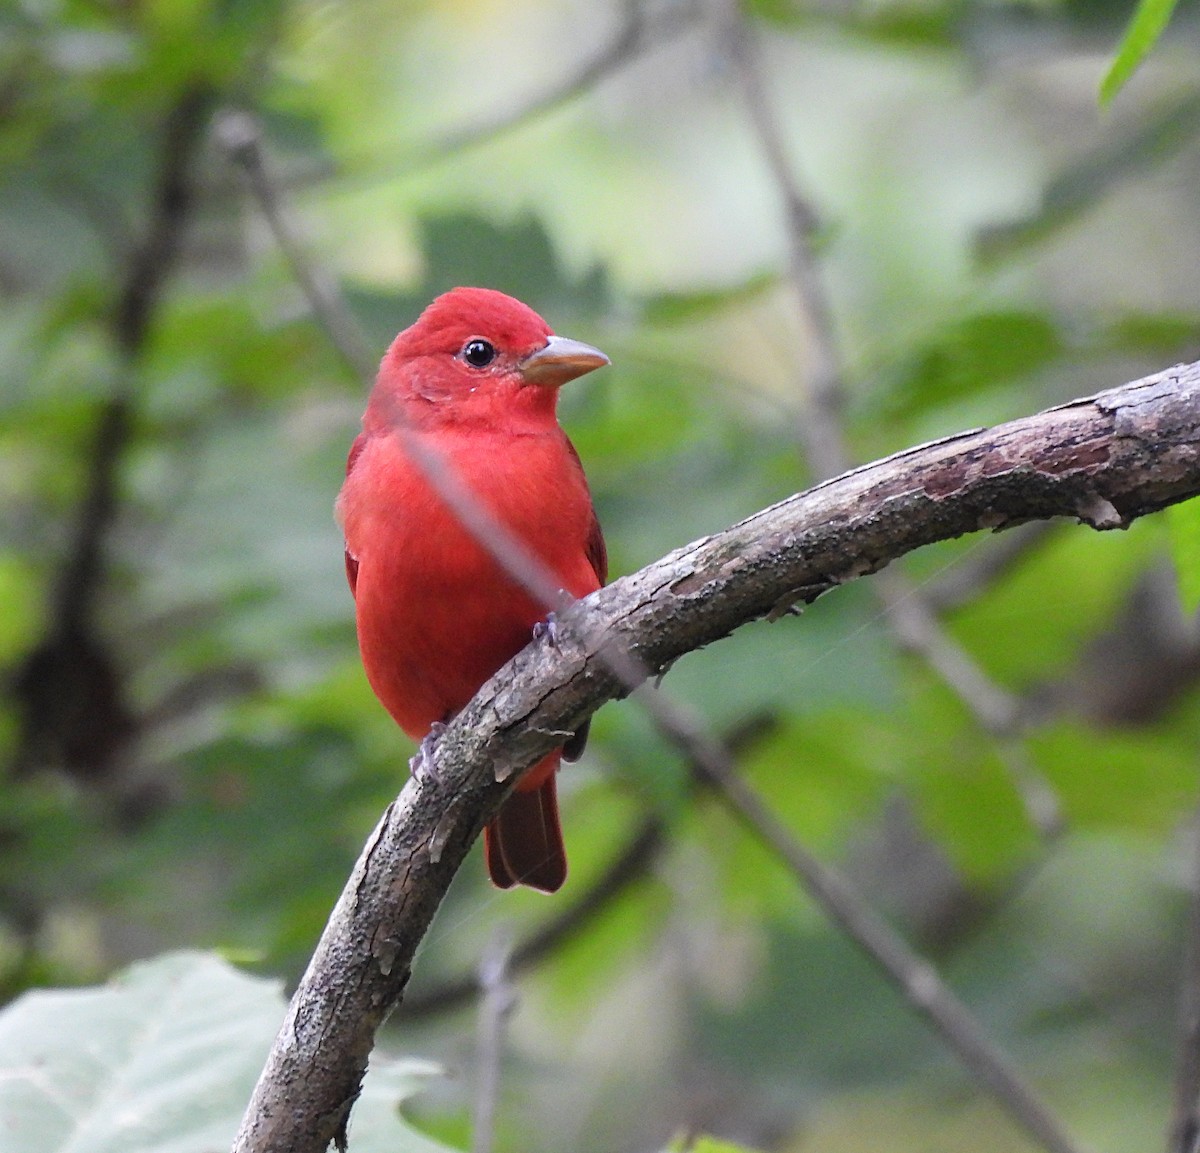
(1184, 1134)
(240, 134)
(499, 1000)
(1104, 460)
(68, 689)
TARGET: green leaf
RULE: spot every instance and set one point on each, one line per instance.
(1129, 780)
(1021, 636)
(518, 258)
(1183, 523)
(963, 793)
(376, 1125)
(23, 621)
(164, 1058)
(1161, 334)
(1147, 25)
(913, 24)
(971, 354)
(836, 654)
(705, 1145)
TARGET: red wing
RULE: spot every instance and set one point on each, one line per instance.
(597, 553)
(356, 448)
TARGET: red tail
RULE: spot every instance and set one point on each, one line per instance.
(524, 842)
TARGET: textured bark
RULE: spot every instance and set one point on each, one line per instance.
(1104, 460)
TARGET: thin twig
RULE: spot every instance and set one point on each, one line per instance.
(1001, 714)
(821, 430)
(240, 135)
(638, 33)
(499, 999)
(915, 626)
(1184, 1135)
(631, 864)
(973, 575)
(917, 629)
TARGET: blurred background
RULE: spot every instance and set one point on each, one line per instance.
(190, 753)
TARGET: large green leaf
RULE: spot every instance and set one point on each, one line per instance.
(967, 356)
(1021, 635)
(162, 1059)
(964, 793)
(465, 248)
(1139, 780)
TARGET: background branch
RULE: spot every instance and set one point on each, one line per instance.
(499, 1000)
(911, 616)
(240, 135)
(640, 31)
(1184, 1134)
(68, 689)
(1104, 460)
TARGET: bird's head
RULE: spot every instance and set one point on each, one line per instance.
(476, 355)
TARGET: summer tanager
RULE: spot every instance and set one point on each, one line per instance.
(475, 382)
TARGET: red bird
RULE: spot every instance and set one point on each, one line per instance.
(475, 383)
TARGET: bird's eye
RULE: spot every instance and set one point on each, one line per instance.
(478, 353)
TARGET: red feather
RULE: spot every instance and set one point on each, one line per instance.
(436, 614)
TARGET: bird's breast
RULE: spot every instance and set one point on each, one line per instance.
(437, 615)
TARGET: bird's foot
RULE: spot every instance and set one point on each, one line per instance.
(421, 765)
(548, 630)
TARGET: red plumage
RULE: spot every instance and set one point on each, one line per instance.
(475, 380)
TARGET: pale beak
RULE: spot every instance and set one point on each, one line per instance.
(560, 360)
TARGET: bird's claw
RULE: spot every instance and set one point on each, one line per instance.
(421, 765)
(547, 629)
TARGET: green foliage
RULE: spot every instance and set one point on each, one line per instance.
(1136, 781)
(989, 245)
(1183, 522)
(970, 357)
(963, 790)
(462, 248)
(702, 1144)
(1095, 572)
(1149, 21)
